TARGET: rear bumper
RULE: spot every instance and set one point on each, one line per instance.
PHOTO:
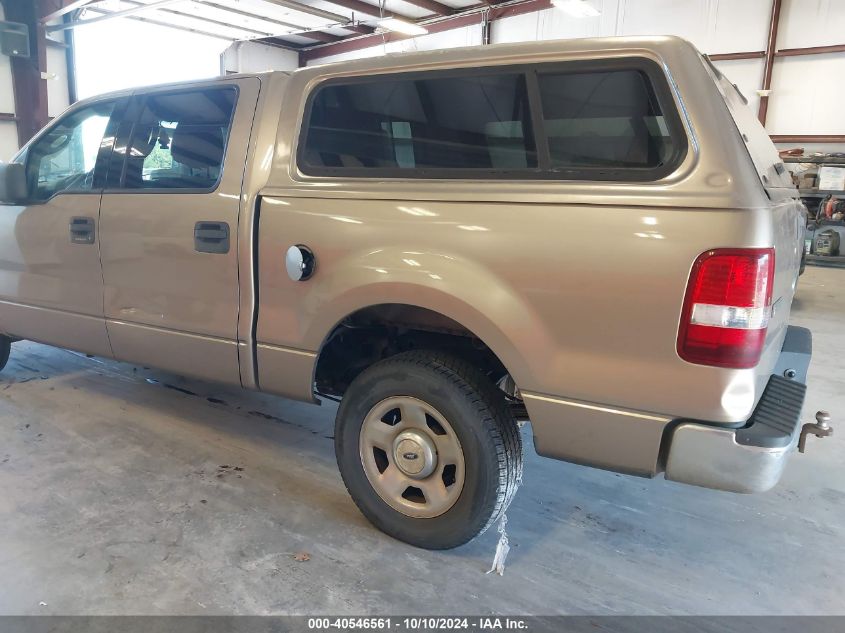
(751, 458)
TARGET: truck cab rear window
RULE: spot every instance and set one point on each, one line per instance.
(461, 122)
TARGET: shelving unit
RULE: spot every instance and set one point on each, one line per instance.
(816, 160)
(812, 196)
(820, 193)
(837, 261)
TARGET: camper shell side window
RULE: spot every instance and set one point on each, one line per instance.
(581, 120)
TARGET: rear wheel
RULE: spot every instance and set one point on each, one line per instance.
(428, 449)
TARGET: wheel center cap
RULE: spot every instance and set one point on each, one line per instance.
(414, 454)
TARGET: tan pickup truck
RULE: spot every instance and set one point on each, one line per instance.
(595, 235)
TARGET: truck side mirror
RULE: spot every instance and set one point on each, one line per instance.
(13, 186)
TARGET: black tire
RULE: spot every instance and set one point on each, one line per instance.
(5, 348)
(482, 420)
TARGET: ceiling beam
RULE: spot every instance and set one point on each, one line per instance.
(66, 6)
(358, 6)
(314, 34)
(304, 8)
(125, 13)
(808, 138)
(275, 42)
(783, 52)
(465, 18)
(247, 14)
(718, 57)
(361, 29)
(184, 14)
(319, 36)
(186, 29)
(810, 50)
(432, 5)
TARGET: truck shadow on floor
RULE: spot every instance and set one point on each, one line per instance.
(282, 433)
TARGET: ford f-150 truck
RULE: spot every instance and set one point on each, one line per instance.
(595, 235)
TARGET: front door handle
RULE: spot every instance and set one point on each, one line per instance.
(211, 237)
(82, 230)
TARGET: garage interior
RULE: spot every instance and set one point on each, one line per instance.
(125, 490)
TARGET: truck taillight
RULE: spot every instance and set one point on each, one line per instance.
(727, 307)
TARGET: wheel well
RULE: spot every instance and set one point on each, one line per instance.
(372, 334)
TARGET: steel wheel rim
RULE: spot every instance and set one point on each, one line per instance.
(412, 457)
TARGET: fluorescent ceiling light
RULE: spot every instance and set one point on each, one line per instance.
(577, 8)
(401, 26)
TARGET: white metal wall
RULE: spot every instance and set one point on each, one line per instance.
(58, 98)
(807, 92)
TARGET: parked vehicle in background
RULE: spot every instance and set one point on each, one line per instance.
(596, 235)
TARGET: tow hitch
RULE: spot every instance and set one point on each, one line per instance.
(820, 428)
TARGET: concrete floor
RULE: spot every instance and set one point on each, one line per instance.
(132, 491)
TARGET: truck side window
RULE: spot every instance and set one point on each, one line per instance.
(179, 140)
(608, 119)
(63, 160)
(410, 123)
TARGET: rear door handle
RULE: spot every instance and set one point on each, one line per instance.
(82, 230)
(211, 237)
